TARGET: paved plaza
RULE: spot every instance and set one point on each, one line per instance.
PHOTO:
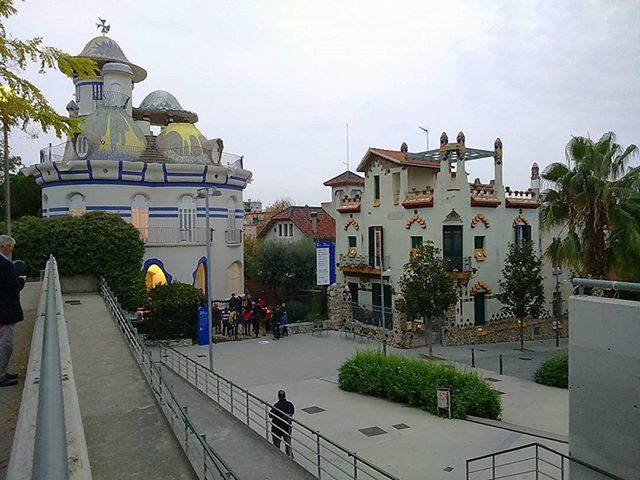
(306, 367)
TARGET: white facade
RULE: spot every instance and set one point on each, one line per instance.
(116, 166)
(283, 230)
(413, 198)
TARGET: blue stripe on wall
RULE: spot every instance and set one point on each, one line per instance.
(211, 215)
(141, 183)
(170, 209)
(169, 174)
(89, 169)
(232, 177)
(213, 209)
(107, 208)
(163, 215)
(58, 209)
(144, 170)
(124, 172)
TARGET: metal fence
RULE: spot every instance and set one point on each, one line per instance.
(529, 462)
(174, 235)
(372, 315)
(207, 463)
(319, 455)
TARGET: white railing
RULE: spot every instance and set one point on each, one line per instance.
(173, 236)
(205, 460)
(319, 455)
(233, 237)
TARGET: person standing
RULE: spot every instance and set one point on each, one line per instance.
(277, 316)
(233, 324)
(216, 314)
(246, 321)
(255, 319)
(10, 310)
(280, 416)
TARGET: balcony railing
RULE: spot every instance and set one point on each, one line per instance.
(233, 237)
(365, 264)
(458, 264)
(419, 198)
(67, 151)
(349, 204)
(154, 236)
(113, 99)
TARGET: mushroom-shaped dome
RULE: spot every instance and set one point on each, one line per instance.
(104, 50)
(183, 143)
(162, 108)
(160, 100)
(112, 134)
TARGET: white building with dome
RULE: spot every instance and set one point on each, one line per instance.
(146, 164)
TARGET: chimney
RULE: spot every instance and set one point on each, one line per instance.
(314, 222)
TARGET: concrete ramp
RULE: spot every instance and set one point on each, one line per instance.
(127, 434)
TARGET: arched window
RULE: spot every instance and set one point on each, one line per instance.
(140, 215)
(187, 218)
(231, 215)
(234, 274)
(77, 205)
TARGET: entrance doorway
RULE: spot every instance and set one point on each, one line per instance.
(479, 308)
(154, 277)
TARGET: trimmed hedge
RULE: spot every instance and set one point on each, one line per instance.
(554, 372)
(96, 243)
(414, 382)
(174, 312)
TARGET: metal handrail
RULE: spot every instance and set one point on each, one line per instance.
(322, 456)
(211, 460)
(581, 283)
(65, 151)
(50, 458)
(536, 458)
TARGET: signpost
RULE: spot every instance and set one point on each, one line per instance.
(444, 400)
(325, 263)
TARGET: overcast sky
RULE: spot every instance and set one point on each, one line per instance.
(278, 80)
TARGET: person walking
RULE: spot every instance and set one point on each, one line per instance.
(280, 416)
(284, 320)
(255, 319)
(233, 324)
(10, 309)
(277, 316)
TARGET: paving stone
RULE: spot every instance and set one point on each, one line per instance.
(312, 410)
(372, 431)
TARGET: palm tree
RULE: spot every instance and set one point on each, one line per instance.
(595, 204)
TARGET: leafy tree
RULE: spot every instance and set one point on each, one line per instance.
(29, 196)
(428, 289)
(251, 247)
(15, 163)
(522, 290)
(21, 102)
(287, 265)
(596, 205)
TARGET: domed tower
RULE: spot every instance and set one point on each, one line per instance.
(115, 78)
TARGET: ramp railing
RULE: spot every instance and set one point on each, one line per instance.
(318, 454)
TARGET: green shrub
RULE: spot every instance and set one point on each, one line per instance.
(414, 382)
(174, 312)
(95, 243)
(554, 372)
(297, 311)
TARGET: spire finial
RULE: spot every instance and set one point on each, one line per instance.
(104, 28)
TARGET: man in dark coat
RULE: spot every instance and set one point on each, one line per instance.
(10, 310)
(280, 415)
(276, 321)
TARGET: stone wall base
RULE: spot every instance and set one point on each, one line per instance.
(79, 283)
(502, 331)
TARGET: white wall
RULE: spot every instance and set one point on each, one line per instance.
(604, 382)
(274, 232)
(450, 194)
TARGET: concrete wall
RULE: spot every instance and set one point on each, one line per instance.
(604, 382)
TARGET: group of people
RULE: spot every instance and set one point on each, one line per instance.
(246, 316)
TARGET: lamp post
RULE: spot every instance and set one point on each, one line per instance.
(557, 302)
(206, 193)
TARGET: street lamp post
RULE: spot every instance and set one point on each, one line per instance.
(206, 193)
(557, 300)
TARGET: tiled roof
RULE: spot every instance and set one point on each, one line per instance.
(394, 156)
(346, 178)
(301, 218)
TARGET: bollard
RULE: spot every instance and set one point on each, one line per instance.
(500, 364)
(473, 357)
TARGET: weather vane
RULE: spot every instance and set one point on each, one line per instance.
(103, 26)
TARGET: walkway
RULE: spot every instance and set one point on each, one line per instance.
(127, 434)
(247, 454)
(411, 444)
(10, 397)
